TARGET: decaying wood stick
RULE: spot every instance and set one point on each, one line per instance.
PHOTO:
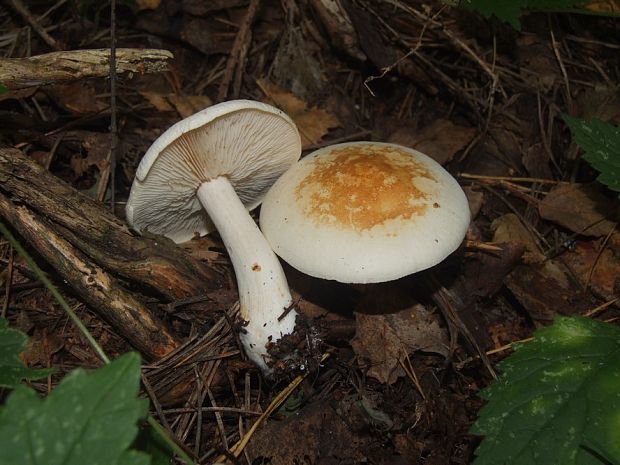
(153, 264)
(129, 317)
(56, 67)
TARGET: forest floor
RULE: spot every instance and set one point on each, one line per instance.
(407, 358)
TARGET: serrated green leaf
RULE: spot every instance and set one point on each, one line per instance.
(557, 401)
(600, 143)
(510, 10)
(90, 418)
(504, 10)
(12, 368)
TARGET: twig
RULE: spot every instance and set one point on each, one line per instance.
(275, 403)
(489, 246)
(237, 52)
(25, 13)
(411, 374)
(509, 178)
(526, 223)
(447, 303)
(543, 134)
(425, 19)
(113, 128)
(600, 308)
(497, 350)
(598, 256)
(556, 52)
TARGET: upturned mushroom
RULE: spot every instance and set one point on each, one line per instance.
(210, 169)
(365, 212)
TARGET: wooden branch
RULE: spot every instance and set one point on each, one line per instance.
(30, 19)
(154, 264)
(55, 67)
(105, 296)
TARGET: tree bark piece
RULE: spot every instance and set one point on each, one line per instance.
(154, 263)
(106, 297)
(72, 65)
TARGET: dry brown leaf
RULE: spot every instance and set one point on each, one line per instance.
(440, 140)
(185, 105)
(580, 208)
(475, 198)
(41, 346)
(600, 270)
(77, 97)
(602, 6)
(313, 123)
(313, 435)
(158, 100)
(542, 286)
(96, 145)
(508, 228)
(147, 4)
(383, 340)
(204, 249)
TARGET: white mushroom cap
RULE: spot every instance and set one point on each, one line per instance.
(365, 212)
(250, 143)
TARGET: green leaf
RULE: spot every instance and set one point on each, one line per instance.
(510, 10)
(557, 401)
(12, 368)
(134, 457)
(3, 89)
(600, 143)
(90, 418)
(504, 10)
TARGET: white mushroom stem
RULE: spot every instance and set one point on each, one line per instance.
(263, 291)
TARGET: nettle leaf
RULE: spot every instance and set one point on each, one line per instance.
(557, 401)
(90, 418)
(504, 10)
(600, 143)
(510, 10)
(12, 368)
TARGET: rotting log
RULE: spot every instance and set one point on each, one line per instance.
(72, 65)
(90, 248)
(154, 263)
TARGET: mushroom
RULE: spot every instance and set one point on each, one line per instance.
(210, 169)
(365, 212)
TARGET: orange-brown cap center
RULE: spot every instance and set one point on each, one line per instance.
(363, 187)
